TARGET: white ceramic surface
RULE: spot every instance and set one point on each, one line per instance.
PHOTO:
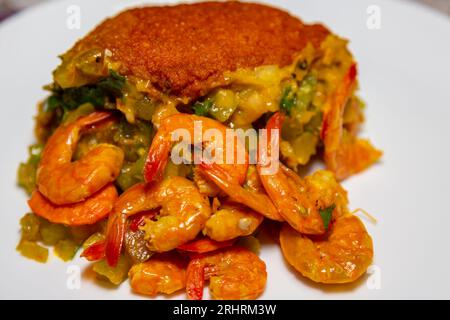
(405, 80)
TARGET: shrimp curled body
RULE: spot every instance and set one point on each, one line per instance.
(299, 201)
(234, 273)
(163, 141)
(65, 182)
(341, 256)
(182, 215)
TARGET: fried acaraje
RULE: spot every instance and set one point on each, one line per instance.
(148, 154)
(172, 46)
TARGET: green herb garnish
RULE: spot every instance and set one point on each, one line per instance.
(113, 84)
(300, 98)
(288, 100)
(326, 215)
(96, 94)
(202, 108)
(26, 175)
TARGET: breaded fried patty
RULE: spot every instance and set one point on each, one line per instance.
(184, 49)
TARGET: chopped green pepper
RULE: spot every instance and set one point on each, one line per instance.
(26, 175)
(202, 108)
(66, 249)
(288, 100)
(326, 215)
(306, 91)
(97, 94)
(51, 233)
(30, 224)
(33, 251)
(116, 275)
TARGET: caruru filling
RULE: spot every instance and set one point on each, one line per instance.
(90, 81)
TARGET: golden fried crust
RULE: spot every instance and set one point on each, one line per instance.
(184, 49)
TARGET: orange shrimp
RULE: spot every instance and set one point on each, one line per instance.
(183, 214)
(340, 256)
(344, 153)
(162, 144)
(90, 211)
(234, 273)
(164, 273)
(65, 182)
(94, 252)
(298, 201)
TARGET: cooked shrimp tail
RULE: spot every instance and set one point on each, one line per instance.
(115, 237)
(344, 153)
(196, 279)
(94, 252)
(157, 159)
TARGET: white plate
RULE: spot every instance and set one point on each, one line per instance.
(405, 79)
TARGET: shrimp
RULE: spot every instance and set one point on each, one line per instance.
(344, 153)
(299, 201)
(183, 214)
(90, 211)
(135, 244)
(164, 273)
(65, 182)
(162, 144)
(232, 221)
(256, 200)
(323, 187)
(340, 256)
(94, 252)
(234, 273)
